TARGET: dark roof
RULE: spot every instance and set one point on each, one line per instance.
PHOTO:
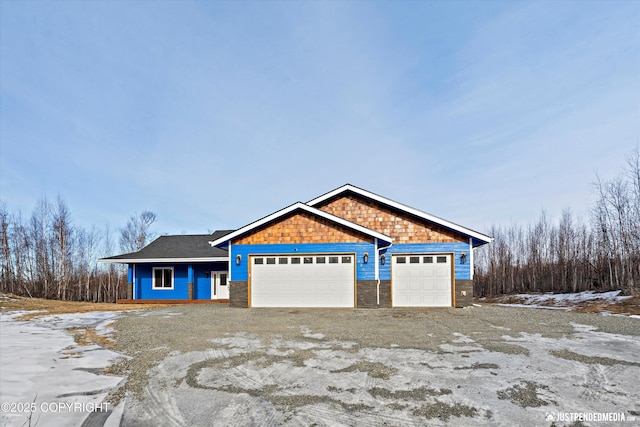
(182, 247)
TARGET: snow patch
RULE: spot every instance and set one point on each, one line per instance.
(40, 362)
(551, 301)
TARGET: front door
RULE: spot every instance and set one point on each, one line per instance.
(219, 286)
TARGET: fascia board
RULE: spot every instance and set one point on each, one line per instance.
(165, 260)
(292, 208)
(402, 207)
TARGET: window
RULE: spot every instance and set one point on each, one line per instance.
(162, 278)
(442, 260)
(414, 260)
(295, 260)
(346, 260)
(258, 261)
(428, 260)
(401, 260)
(333, 260)
(308, 260)
(320, 260)
(271, 260)
(283, 260)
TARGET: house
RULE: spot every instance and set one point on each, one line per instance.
(183, 267)
(346, 248)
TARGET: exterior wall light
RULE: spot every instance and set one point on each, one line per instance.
(463, 258)
(238, 259)
(383, 259)
(365, 257)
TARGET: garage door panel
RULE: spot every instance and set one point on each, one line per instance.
(415, 286)
(308, 283)
(424, 281)
(429, 286)
(441, 286)
(428, 301)
(443, 273)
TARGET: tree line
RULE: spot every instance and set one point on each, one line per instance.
(601, 253)
(46, 255)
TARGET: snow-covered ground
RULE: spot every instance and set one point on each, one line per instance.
(46, 378)
(473, 375)
(569, 301)
(243, 380)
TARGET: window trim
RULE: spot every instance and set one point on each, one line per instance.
(302, 258)
(162, 288)
(396, 258)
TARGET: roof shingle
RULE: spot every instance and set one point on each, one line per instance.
(188, 246)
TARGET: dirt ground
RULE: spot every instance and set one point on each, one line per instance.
(630, 306)
(487, 365)
(41, 306)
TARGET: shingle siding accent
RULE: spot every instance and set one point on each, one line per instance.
(367, 294)
(403, 227)
(302, 227)
(238, 294)
(465, 286)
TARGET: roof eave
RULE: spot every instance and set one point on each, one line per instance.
(291, 208)
(161, 260)
(440, 221)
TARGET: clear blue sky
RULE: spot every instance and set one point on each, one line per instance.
(214, 114)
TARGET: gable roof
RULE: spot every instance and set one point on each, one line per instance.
(180, 248)
(292, 208)
(478, 238)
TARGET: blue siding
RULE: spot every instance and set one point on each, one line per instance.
(202, 278)
(462, 271)
(182, 272)
(144, 282)
(363, 271)
(202, 284)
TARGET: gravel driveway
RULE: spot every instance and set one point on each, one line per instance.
(212, 365)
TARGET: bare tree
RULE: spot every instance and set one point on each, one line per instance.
(62, 247)
(48, 256)
(571, 256)
(6, 267)
(39, 233)
(135, 235)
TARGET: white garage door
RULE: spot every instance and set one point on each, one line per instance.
(421, 280)
(302, 281)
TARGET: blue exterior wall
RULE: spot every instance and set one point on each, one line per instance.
(363, 271)
(202, 278)
(198, 272)
(202, 283)
(142, 280)
(462, 271)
